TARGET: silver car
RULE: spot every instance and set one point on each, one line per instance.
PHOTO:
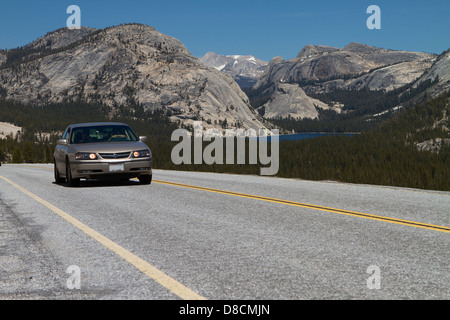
(101, 150)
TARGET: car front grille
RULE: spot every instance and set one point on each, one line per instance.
(121, 155)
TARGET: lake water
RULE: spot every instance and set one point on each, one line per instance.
(311, 135)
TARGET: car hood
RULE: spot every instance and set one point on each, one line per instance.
(108, 147)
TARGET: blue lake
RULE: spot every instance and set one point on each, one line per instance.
(311, 135)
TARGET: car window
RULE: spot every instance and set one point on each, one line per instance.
(104, 133)
(65, 134)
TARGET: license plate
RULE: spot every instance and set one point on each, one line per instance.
(116, 167)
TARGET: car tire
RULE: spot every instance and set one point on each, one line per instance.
(58, 178)
(71, 182)
(145, 179)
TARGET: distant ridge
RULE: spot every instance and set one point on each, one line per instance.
(245, 69)
(320, 69)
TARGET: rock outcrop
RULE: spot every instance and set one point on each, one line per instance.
(2, 58)
(319, 69)
(433, 145)
(289, 100)
(439, 70)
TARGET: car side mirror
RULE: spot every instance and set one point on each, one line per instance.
(143, 139)
(62, 141)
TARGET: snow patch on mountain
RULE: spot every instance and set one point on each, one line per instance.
(245, 69)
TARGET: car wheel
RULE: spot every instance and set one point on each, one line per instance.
(58, 178)
(71, 182)
(145, 179)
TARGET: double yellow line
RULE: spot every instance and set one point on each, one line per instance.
(315, 207)
(171, 284)
(305, 205)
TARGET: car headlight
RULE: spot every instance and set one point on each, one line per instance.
(85, 156)
(142, 154)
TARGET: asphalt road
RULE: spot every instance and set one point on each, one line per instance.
(171, 240)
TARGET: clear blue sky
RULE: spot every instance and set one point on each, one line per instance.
(262, 28)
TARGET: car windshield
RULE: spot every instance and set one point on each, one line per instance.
(102, 133)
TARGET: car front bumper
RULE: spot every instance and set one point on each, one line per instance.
(87, 169)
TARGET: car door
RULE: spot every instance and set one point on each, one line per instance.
(61, 151)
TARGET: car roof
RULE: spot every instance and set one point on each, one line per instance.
(92, 124)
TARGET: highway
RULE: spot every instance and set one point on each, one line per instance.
(193, 235)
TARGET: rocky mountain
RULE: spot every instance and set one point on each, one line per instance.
(2, 58)
(346, 67)
(60, 38)
(245, 69)
(125, 65)
(441, 70)
(319, 69)
(289, 100)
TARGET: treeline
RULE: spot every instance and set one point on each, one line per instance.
(25, 149)
(43, 126)
(385, 155)
(364, 102)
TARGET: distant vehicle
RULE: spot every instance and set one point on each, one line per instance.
(101, 150)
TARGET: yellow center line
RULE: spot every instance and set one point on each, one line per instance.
(160, 277)
(314, 207)
(309, 206)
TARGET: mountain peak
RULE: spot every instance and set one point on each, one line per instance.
(359, 48)
(313, 50)
(60, 38)
(275, 60)
(123, 66)
(245, 69)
